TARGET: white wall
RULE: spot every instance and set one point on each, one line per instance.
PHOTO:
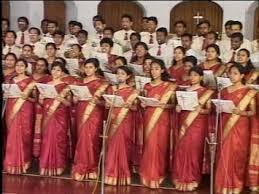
(83, 11)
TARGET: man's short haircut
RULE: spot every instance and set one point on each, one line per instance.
(237, 23)
(127, 16)
(135, 34)
(187, 35)
(107, 41)
(163, 30)
(180, 22)
(59, 32)
(204, 22)
(109, 28)
(153, 19)
(23, 18)
(237, 35)
(83, 32)
(37, 30)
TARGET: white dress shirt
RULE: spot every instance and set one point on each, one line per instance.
(19, 36)
(119, 38)
(146, 36)
(13, 49)
(39, 49)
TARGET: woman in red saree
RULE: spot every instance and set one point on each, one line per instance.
(233, 147)
(9, 66)
(19, 122)
(89, 122)
(55, 125)
(177, 69)
(155, 158)
(188, 160)
(40, 75)
(121, 131)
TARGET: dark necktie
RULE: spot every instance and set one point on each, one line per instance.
(151, 41)
(158, 51)
(22, 38)
(126, 36)
(233, 56)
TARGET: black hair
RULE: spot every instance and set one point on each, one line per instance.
(6, 20)
(60, 65)
(11, 54)
(216, 47)
(51, 44)
(36, 29)
(53, 22)
(165, 76)
(204, 22)
(196, 69)
(126, 69)
(182, 49)
(23, 18)
(27, 45)
(163, 30)
(46, 64)
(214, 33)
(109, 28)
(180, 22)
(237, 23)
(249, 66)
(59, 32)
(44, 20)
(135, 34)
(149, 57)
(22, 60)
(141, 44)
(107, 41)
(72, 22)
(78, 24)
(62, 59)
(123, 59)
(187, 35)
(11, 31)
(83, 32)
(190, 59)
(98, 18)
(240, 68)
(144, 18)
(96, 63)
(228, 23)
(127, 16)
(79, 47)
(237, 35)
(153, 19)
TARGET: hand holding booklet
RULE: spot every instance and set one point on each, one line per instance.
(188, 100)
(112, 78)
(117, 101)
(149, 101)
(47, 90)
(226, 106)
(137, 69)
(141, 82)
(82, 92)
(209, 78)
(11, 90)
(223, 82)
(73, 66)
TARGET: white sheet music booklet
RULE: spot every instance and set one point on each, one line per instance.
(188, 100)
(47, 90)
(141, 81)
(149, 101)
(11, 90)
(116, 100)
(112, 78)
(82, 92)
(226, 106)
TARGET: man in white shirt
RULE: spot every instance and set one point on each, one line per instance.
(52, 28)
(255, 45)
(162, 50)
(38, 47)
(236, 26)
(71, 38)
(99, 25)
(23, 33)
(85, 45)
(149, 37)
(187, 43)
(134, 39)
(227, 34)
(122, 37)
(255, 59)
(10, 46)
(180, 29)
(236, 43)
(202, 30)
(44, 27)
(58, 38)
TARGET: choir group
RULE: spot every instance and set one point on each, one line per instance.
(151, 132)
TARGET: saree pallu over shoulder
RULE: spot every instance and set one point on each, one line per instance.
(242, 106)
(89, 109)
(158, 111)
(252, 77)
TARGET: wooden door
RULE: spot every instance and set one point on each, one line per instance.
(112, 11)
(6, 9)
(188, 9)
(56, 10)
(256, 24)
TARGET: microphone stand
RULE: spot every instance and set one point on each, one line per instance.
(106, 125)
(212, 141)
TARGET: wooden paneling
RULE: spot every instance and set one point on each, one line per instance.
(6, 9)
(256, 24)
(187, 9)
(56, 10)
(112, 11)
